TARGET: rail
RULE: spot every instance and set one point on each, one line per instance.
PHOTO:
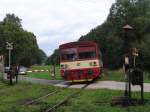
(54, 107)
(45, 96)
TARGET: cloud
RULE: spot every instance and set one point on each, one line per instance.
(57, 21)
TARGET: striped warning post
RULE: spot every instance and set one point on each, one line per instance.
(37, 71)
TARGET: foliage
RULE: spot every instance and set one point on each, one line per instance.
(41, 57)
(144, 46)
(110, 35)
(54, 58)
(26, 51)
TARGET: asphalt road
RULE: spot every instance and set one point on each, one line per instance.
(113, 85)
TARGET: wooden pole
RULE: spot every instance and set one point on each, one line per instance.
(54, 70)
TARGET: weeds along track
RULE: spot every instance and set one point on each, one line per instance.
(46, 95)
(3, 85)
(67, 98)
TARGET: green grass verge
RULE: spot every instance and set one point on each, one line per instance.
(113, 75)
(119, 75)
(44, 75)
(39, 68)
(13, 97)
(147, 77)
(99, 101)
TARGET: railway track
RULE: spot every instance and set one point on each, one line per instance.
(59, 104)
(45, 96)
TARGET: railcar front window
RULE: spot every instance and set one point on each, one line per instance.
(69, 54)
(87, 55)
(68, 57)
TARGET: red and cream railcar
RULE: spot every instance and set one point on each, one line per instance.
(80, 61)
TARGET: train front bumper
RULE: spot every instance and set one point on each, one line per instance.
(79, 75)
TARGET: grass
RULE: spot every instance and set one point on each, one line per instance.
(39, 68)
(119, 75)
(147, 77)
(44, 75)
(99, 101)
(13, 97)
(113, 75)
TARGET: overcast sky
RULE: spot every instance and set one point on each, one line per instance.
(55, 22)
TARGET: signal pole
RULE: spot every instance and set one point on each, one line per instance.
(9, 47)
(127, 44)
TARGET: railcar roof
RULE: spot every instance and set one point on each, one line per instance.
(77, 43)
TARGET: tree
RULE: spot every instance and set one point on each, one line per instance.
(42, 57)
(54, 58)
(110, 35)
(26, 51)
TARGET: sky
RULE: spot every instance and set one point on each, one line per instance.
(56, 22)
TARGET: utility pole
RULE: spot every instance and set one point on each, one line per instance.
(127, 29)
(9, 47)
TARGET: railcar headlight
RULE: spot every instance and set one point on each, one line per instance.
(94, 63)
(62, 66)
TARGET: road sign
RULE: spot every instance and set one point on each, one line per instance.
(9, 46)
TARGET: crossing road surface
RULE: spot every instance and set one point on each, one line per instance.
(113, 85)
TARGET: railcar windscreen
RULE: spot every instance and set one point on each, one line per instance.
(73, 54)
(87, 52)
(87, 55)
(69, 54)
